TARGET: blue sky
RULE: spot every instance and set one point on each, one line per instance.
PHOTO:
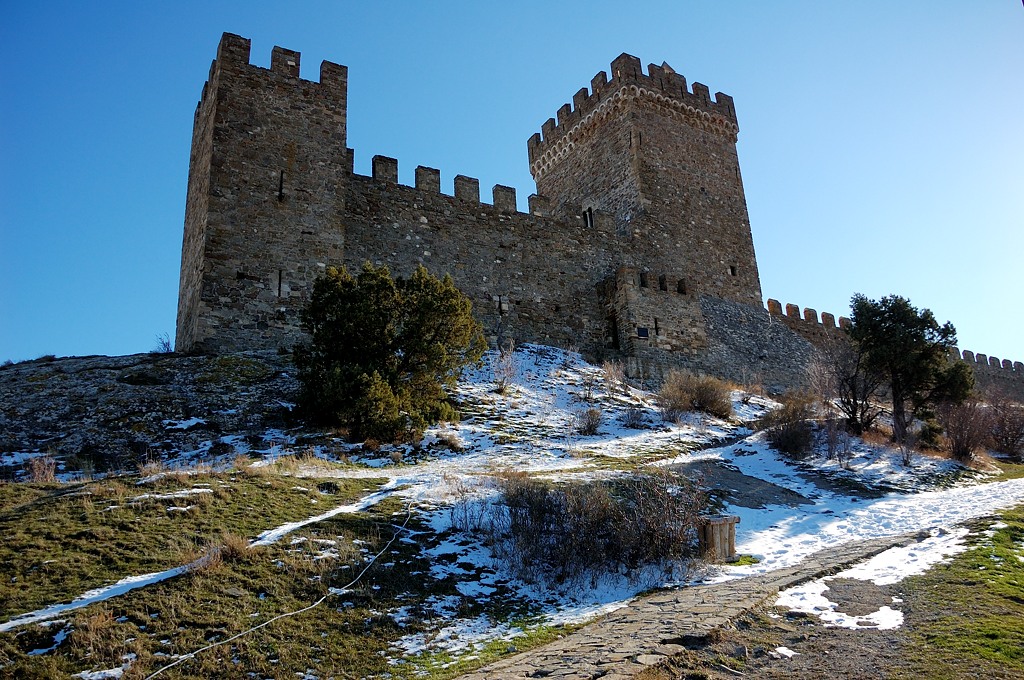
(880, 142)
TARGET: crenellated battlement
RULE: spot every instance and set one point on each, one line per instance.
(809, 316)
(983, 360)
(233, 58)
(660, 86)
(427, 181)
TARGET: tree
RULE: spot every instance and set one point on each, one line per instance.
(967, 426)
(384, 351)
(848, 378)
(910, 350)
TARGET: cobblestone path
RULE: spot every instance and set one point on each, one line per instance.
(648, 630)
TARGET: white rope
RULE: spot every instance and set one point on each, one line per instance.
(333, 591)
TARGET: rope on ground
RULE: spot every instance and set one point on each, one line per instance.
(333, 591)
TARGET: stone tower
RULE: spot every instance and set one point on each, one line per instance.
(266, 182)
(662, 159)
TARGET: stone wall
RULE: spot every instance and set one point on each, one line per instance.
(991, 374)
(273, 200)
(995, 376)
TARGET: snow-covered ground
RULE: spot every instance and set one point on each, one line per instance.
(530, 428)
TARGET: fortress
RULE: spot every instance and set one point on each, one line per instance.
(636, 247)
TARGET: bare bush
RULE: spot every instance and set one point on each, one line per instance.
(572, 350)
(1007, 423)
(42, 469)
(505, 366)
(683, 392)
(907, 446)
(587, 421)
(789, 429)
(586, 394)
(633, 418)
(966, 425)
(614, 376)
(856, 388)
(567, 531)
(450, 441)
(163, 345)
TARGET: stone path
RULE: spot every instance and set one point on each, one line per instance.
(650, 629)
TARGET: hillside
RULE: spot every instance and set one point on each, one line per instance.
(239, 516)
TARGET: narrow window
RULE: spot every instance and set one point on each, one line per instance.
(681, 287)
(280, 187)
(643, 280)
(732, 269)
(657, 331)
(280, 277)
(663, 282)
(588, 218)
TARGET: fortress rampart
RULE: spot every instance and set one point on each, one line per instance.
(636, 245)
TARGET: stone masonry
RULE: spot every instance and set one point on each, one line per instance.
(637, 246)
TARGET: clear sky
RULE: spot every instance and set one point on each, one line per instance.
(880, 141)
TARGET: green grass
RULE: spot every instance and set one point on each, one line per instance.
(349, 635)
(60, 541)
(1008, 470)
(972, 621)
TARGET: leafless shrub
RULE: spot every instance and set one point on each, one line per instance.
(789, 428)
(633, 418)
(567, 531)
(1007, 423)
(843, 370)
(966, 425)
(587, 421)
(829, 435)
(571, 350)
(907, 447)
(42, 469)
(844, 451)
(614, 376)
(587, 393)
(163, 345)
(683, 392)
(504, 366)
(450, 441)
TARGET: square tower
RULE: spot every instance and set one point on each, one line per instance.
(265, 195)
(661, 157)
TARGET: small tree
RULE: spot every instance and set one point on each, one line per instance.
(856, 387)
(1007, 422)
(910, 350)
(383, 351)
(967, 425)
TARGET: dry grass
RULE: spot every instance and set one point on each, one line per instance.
(42, 470)
(568, 531)
(587, 421)
(684, 392)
